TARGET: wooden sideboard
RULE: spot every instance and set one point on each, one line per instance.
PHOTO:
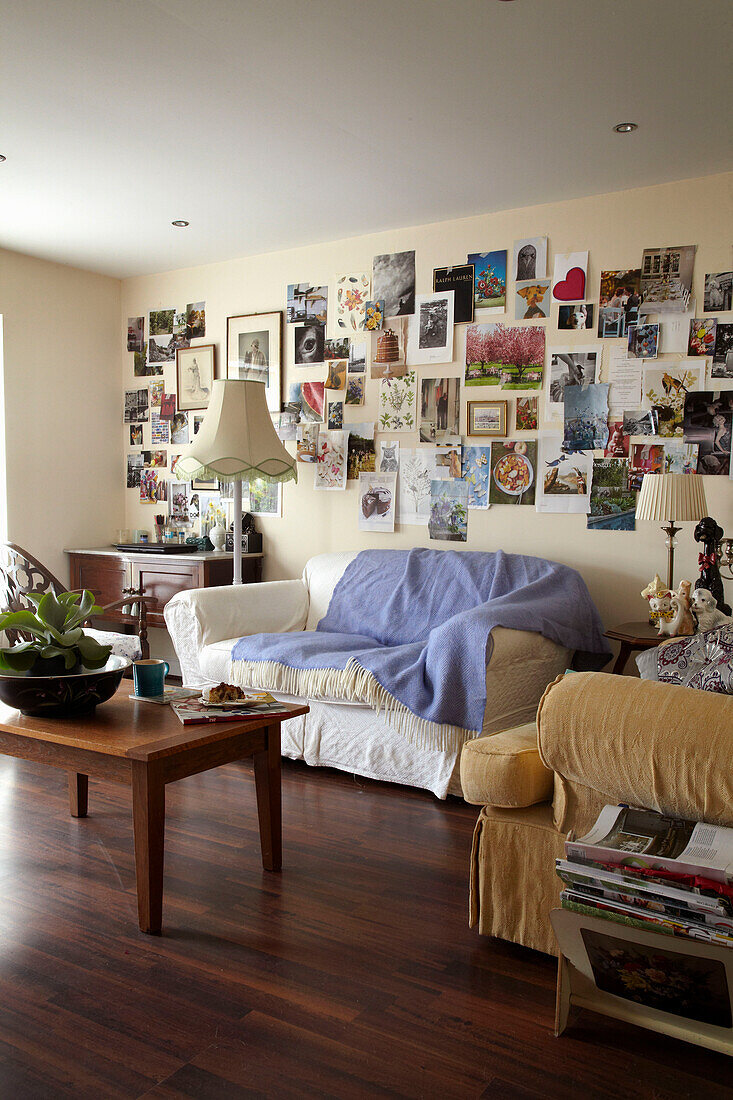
(107, 572)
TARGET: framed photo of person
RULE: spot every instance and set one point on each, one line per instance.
(487, 417)
(254, 352)
(196, 371)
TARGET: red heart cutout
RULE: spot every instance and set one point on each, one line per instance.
(571, 288)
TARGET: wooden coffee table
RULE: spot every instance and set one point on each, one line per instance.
(146, 746)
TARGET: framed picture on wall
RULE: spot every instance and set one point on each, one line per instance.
(487, 418)
(254, 352)
(196, 371)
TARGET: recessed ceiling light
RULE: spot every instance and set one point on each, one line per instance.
(2, 157)
(625, 127)
(180, 223)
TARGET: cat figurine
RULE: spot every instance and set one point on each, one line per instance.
(389, 464)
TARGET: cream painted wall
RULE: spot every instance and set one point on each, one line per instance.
(62, 407)
(614, 227)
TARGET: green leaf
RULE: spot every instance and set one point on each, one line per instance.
(20, 620)
(87, 604)
(69, 597)
(19, 658)
(70, 637)
(92, 650)
(51, 612)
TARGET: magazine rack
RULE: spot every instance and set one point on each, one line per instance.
(668, 984)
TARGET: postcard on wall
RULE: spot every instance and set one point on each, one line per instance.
(159, 430)
(179, 429)
(674, 331)
(701, 340)
(178, 502)
(527, 414)
(612, 503)
(563, 480)
(510, 356)
(309, 345)
(666, 278)
(198, 420)
(618, 442)
(417, 468)
(448, 459)
(152, 489)
(306, 303)
(136, 405)
(430, 329)
(448, 519)
(490, 278)
(665, 390)
(167, 406)
(351, 293)
(643, 341)
(680, 458)
(156, 459)
(161, 349)
(337, 348)
(570, 367)
(287, 425)
(357, 356)
(136, 435)
(532, 300)
(619, 301)
(355, 389)
(161, 322)
(718, 292)
(389, 350)
(330, 470)
(576, 317)
(377, 501)
(639, 422)
(336, 379)
(624, 378)
(586, 417)
(398, 403)
(388, 461)
(135, 333)
(707, 421)
(361, 456)
(723, 354)
(393, 280)
(141, 367)
(307, 442)
(644, 458)
(312, 398)
(476, 472)
(335, 416)
(156, 390)
(530, 258)
(135, 466)
(513, 471)
(374, 315)
(196, 320)
(460, 280)
(440, 410)
(569, 277)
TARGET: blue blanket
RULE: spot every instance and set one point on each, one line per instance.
(420, 622)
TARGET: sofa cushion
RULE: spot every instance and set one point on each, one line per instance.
(704, 661)
(505, 770)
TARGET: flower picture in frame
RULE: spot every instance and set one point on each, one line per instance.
(254, 352)
(487, 417)
(196, 371)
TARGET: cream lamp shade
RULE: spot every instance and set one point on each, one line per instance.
(671, 497)
(237, 442)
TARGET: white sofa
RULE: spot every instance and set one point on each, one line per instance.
(205, 623)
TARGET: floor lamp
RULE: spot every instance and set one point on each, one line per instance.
(674, 498)
(237, 442)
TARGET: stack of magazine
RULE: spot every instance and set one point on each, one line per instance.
(650, 871)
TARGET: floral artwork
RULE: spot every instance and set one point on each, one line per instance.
(665, 391)
(476, 472)
(374, 315)
(510, 356)
(489, 280)
(702, 336)
(417, 468)
(331, 460)
(398, 403)
(355, 389)
(527, 412)
(448, 511)
(335, 415)
(352, 292)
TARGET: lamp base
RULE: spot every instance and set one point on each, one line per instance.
(237, 577)
(670, 530)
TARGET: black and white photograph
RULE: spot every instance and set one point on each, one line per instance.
(196, 371)
(723, 354)
(357, 356)
(576, 317)
(135, 333)
(459, 279)
(136, 405)
(162, 349)
(530, 258)
(310, 347)
(718, 292)
(135, 466)
(179, 429)
(306, 303)
(430, 329)
(639, 422)
(440, 410)
(196, 320)
(707, 421)
(576, 367)
(393, 279)
(254, 352)
(666, 279)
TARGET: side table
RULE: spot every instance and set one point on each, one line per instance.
(632, 636)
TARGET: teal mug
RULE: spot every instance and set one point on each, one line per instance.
(149, 676)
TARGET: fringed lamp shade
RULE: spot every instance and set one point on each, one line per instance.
(236, 442)
(670, 497)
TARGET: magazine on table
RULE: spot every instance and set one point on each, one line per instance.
(628, 882)
(192, 711)
(644, 838)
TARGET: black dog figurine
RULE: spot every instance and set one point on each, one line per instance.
(709, 533)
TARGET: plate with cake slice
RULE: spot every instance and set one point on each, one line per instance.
(229, 695)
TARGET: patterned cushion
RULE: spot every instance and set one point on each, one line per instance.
(704, 661)
(123, 645)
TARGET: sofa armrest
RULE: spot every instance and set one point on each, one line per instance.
(205, 615)
(505, 770)
(650, 744)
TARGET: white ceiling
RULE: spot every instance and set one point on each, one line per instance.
(270, 124)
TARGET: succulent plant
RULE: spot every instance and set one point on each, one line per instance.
(58, 643)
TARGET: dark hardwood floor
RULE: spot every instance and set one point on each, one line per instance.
(353, 973)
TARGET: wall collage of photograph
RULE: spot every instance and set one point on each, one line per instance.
(587, 425)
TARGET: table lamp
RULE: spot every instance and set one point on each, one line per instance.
(671, 497)
(236, 442)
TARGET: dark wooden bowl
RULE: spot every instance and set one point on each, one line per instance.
(63, 695)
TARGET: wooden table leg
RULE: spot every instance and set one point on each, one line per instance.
(269, 800)
(148, 816)
(623, 655)
(78, 794)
